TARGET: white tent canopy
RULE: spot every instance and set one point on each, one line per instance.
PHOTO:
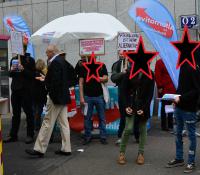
(79, 26)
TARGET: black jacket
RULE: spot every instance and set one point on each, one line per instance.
(138, 92)
(117, 75)
(188, 88)
(78, 70)
(59, 78)
(39, 90)
(23, 80)
(197, 59)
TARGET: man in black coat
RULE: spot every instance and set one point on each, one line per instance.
(22, 80)
(187, 105)
(59, 78)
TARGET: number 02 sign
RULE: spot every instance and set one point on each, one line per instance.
(191, 21)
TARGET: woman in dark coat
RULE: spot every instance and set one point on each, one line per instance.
(39, 92)
(137, 94)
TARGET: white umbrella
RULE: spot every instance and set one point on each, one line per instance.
(79, 26)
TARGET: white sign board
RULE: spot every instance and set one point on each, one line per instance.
(87, 46)
(16, 43)
(128, 41)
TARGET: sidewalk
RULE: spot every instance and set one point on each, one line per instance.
(97, 159)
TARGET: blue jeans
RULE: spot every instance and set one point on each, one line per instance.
(189, 118)
(99, 103)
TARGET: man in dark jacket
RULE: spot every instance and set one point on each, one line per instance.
(185, 112)
(91, 94)
(58, 80)
(22, 80)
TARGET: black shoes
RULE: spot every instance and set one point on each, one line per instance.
(29, 140)
(34, 153)
(175, 163)
(189, 168)
(10, 140)
(59, 152)
(15, 139)
(102, 140)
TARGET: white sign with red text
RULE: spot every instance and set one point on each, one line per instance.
(87, 46)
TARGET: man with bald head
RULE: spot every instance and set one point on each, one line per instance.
(57, 81)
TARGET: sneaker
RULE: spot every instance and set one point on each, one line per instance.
(184, 133)
(175, 163)
(121, 160)
(118, 141)
(140, 159)
(189, 168)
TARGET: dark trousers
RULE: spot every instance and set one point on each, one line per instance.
(122, 112)
(22, 99)
(136, 130)
(122, 123)
(37, 110)
(166, 119)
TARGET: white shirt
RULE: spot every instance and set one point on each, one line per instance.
(52, 58)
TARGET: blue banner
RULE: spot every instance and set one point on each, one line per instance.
(159, 26)
(17, 23)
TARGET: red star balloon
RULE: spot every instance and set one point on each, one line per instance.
(186, 49)
(140, 60)
(93, 68)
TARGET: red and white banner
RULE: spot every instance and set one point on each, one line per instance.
(72, 106)
(87, 46)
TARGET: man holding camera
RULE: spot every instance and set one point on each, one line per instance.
(22, 72)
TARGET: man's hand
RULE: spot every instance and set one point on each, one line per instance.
(140, 112)
(13, 68)
(42, 78)
(103, 79)
(82, 101)
(124, 70)
(20, 67)
(129, 111)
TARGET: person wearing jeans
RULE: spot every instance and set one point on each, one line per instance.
(189, 118)
(91, 94)
(137, 93)
(185, 113)
(99, 103)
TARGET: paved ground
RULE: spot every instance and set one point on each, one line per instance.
(96, 159)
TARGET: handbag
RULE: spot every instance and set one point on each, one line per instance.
(106, 95)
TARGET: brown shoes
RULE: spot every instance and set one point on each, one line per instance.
(140, 159)
(121, 160)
